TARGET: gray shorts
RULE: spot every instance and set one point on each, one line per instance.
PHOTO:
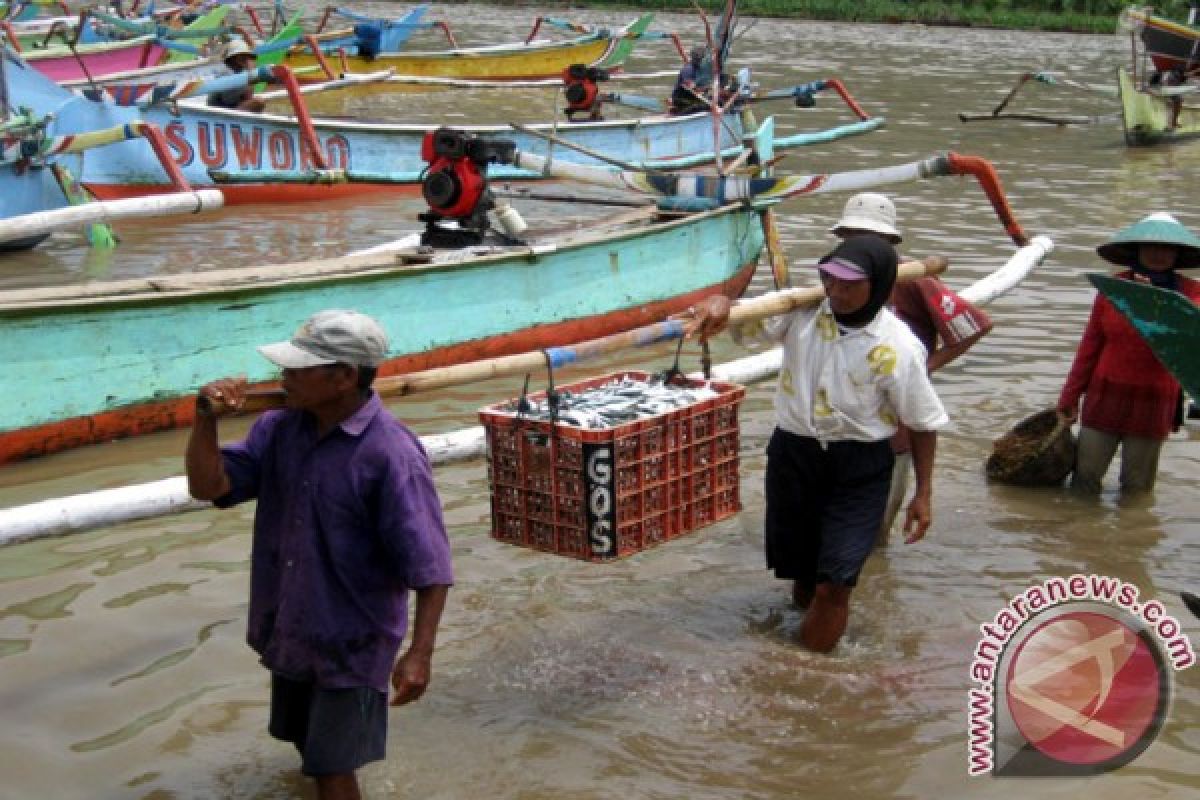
(336, 731)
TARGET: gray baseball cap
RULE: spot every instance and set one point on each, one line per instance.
(331, 337)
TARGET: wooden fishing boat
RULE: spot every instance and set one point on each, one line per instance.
(273, 158)
(1155, 89)
(96, 362)
(1167, 44)
(1153, 92)
(521, 60)
(1167, 321)
(1151, 115)
(98, 59)
(112, 506)
(101, 361)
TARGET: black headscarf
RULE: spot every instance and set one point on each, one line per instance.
(1163, 279)
(877, 258)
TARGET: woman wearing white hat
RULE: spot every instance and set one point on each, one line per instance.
(1129, 398)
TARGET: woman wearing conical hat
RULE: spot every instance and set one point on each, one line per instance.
(1129, 399)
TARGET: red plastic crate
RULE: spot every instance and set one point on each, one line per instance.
(603, 494)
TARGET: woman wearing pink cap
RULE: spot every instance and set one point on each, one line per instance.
(851, 372)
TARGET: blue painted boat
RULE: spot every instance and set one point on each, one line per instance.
(41, 193)
(105, 360)
(274, 158)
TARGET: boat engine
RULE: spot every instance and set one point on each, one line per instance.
(455, 185)
(580, 86)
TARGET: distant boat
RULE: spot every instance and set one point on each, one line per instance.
(100, 58)
(1156, 88)
(1151, 115)
(1168, 44)
(517, 60)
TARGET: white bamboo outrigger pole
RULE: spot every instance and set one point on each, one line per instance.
(83, 512)
(40, 223)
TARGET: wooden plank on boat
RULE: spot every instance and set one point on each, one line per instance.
(1167, 321)
(19, 299)
(292, 273)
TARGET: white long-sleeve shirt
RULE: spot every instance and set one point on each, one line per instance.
(853, 383)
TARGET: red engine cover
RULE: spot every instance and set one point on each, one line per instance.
(452, 186)
(580, 92)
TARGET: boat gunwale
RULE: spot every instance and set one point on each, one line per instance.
(133, 75)
(508, 48)
(16, 303)
(324, 123)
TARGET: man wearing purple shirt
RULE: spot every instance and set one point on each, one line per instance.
(348, 520)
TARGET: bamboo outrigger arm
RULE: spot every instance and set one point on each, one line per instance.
(44, 222)
(766, 191)
(78, 513)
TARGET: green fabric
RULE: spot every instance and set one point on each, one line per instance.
(1167, 321)
(213, 19)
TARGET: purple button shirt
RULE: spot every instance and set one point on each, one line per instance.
(345, 526)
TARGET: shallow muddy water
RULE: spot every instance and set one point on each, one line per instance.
(674, 673)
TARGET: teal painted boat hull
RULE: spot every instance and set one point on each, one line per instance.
(104, 361)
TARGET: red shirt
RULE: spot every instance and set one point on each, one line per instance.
(1126, 390)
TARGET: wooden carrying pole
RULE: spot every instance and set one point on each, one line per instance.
(770, 304)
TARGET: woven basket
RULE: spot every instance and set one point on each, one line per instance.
(1038, 451)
